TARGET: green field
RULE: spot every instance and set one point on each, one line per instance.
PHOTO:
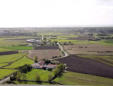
(7, 44)
(18, 47)
(9, 58)
(21, 62)
(102, 42)
(68, 78)
(73, 78)
(42, 73)
(5, 59)
(3, 50)
(5, 72)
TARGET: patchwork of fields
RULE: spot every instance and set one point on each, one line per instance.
(8, 63)
(90, 64)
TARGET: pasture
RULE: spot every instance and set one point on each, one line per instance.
(8, 63)
(74, 78)
(14, 43)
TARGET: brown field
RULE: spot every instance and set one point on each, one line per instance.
(44, 53)
(8, 52)
(87, 66)
(95, 49)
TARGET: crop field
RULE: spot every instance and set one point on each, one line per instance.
(77, 39)
(73, 78)
(44, 53)
(14, 43)
(5, 59)
(9, 62)
(89, 60)
(94, 49)
(68, 78)
(87, 66)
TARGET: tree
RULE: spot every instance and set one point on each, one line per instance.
(47, 61)
(18, 75)
(49, 78)
(13, 76)
(25, 68)
(61, 69)
(58, 71)
(38, 78)
(35, 59)
(24, 77)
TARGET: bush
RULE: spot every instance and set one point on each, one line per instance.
(35, 59)
(38, 79)
(59, 70)
(26, 68)
(49, 78)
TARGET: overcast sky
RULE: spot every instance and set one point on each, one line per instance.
(49, 13)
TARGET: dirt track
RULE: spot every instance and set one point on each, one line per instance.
(87, 66)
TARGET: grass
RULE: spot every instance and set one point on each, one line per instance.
(8, 58)
(7, 45)
(18, 47)
(3, 50)
(13, 44)
(67, 36)
(102, 42)
(5, 72)
(4, 42)
(32, 76)
(73, 78)
(21, 62)
(42, 73)
(69, 78)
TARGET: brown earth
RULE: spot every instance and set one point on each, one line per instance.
(89, 49)
(8, 52)
(44, 53)
(87, 66)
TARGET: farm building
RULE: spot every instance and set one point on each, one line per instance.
(42, 65)
(39, 42)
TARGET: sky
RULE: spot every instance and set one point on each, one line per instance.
(56, 13)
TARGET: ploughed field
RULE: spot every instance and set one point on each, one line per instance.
(87, 66)
(8, 52)
(94, 49)
(44, 53)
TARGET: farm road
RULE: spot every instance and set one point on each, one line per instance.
(87, 66)
(5, 79)
(62, 49)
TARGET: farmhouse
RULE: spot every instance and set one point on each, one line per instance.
(42, 65)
